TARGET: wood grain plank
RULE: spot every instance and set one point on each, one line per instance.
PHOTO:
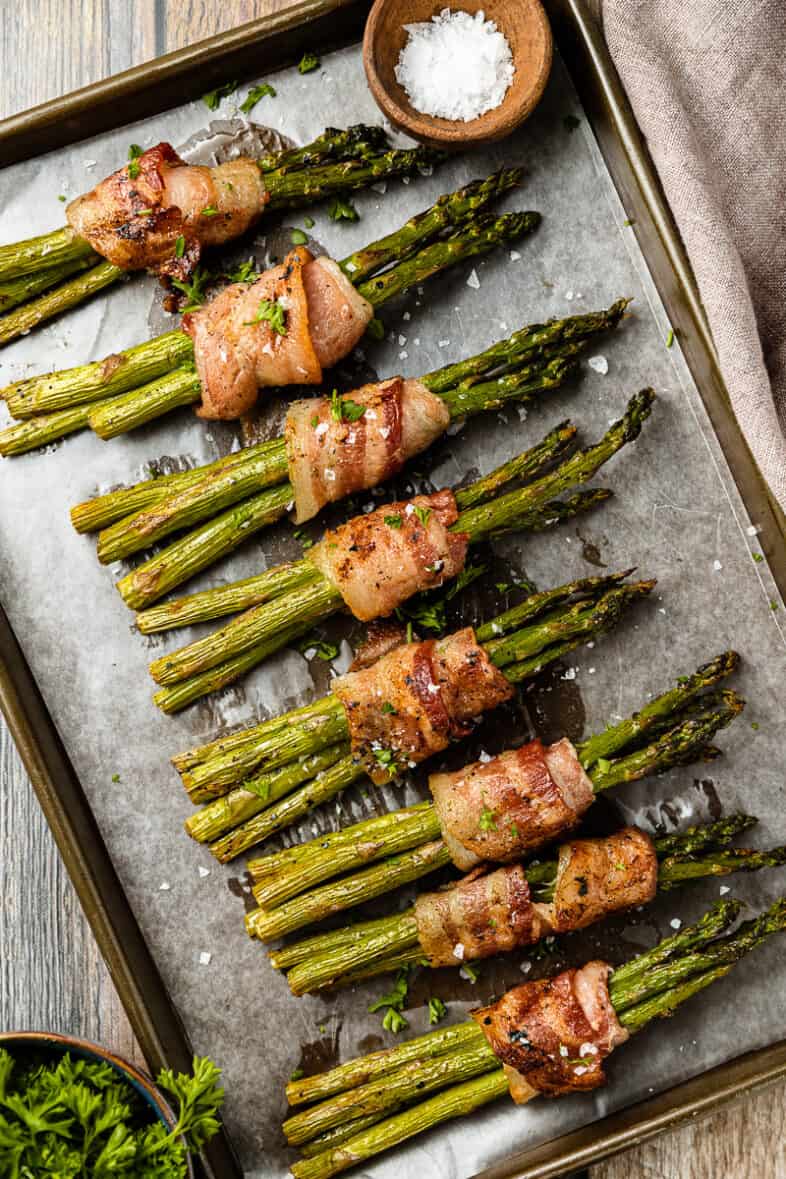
(51, 973)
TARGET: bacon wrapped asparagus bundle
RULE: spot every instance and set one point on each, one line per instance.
(495, 910)
(498, 810)
(325, 455)
(285, 326)
(550, 1037)
(259, 781)
(158, 213)
(374, 563)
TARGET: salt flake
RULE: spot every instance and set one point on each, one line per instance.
(599, 364)
(473, 280)
(205, 958)
(203, 872)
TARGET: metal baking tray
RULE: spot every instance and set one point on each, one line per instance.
(250, 51)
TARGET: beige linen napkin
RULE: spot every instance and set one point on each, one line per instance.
(707, 82)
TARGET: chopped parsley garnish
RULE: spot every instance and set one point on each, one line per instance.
(393, 521)
(315, 421)
(375, 329)
(388, 708)
(513, 830)
(209, 211)
(134, 152)
(255, 94)
(115, 777)
(758, 558)
(342, 210)
(212, 99)
(304, 539)
(308, 62)
(272, 313)
(194, 290)
(343, 409)
(180, 246)
(386, 759)
(487, 820)
(502, 587)
(144, 213)
(755, 726)
(467, 575)
(409, 632)
(472, 972)
(393, 1004)
(308, 222)
(297, 1074)
(422, 514)
(436, 1010)
(62, 198)
(428, 615)
(246, 272)
(670, 338)
(629, 221)
(321, 649)
(298, 237)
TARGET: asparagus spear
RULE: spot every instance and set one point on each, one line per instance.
(375, 943)
(213, 769)
(680, 745)
(289, 187)
(259, 626)
(687, 974)
(134, 370)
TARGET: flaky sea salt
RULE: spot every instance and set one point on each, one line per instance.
(455, 66)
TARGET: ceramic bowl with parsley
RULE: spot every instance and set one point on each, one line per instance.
(69, 1108)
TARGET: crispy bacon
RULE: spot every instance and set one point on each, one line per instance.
(553, 1035)
(483, 914)
(237, 352)
(334, 451)
(596, 877)
(379, 560)
(413, 701)
(383, 635)
(499, 809)
(135, 216)
(339, 315)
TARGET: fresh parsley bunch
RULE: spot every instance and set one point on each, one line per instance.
(76, 1117)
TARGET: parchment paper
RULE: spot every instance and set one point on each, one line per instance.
(676, 515)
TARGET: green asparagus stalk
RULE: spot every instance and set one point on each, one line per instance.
(321, 961)
(668, 987)
(57, 300)
(259, 625)
(678, 746)
(100, 379)
(19, 290)
(213, 769)
(288, 188)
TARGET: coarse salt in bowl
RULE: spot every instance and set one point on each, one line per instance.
(455, 66)
(457, 74)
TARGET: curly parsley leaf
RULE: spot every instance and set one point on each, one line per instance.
(195, 290)
(344, 409)
(272, 313)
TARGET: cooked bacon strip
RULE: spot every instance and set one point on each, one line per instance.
(383, 635)
(331, 456)
(553, 1035)
(339, 315)
(135, 221)
(414, 700)
(600, 876)
(491, 912)
(379, 560)
(499, 809)
(237, 353)
(483, 914)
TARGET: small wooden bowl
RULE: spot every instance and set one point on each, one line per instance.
(523, 22)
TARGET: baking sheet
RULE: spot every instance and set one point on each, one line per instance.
(676, 515)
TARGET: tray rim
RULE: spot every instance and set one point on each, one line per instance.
(164, 82)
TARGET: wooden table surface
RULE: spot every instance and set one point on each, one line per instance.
(51, 973)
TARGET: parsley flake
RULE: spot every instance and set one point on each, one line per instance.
(375, 329)
(487, 820)
(255, 94)
(134, 152)
(194, 290)
(298, 237)
(180, 246)
(272, 313)
(436, 1010)
(393, 521)
(343, 409)
(209, 211)
(422, 514)
(342, 210)
(212, 99)
(393, 1004)
(308, 62)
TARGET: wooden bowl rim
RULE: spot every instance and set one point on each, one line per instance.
(494, 124)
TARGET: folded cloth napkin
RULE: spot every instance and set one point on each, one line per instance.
(707, 83)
